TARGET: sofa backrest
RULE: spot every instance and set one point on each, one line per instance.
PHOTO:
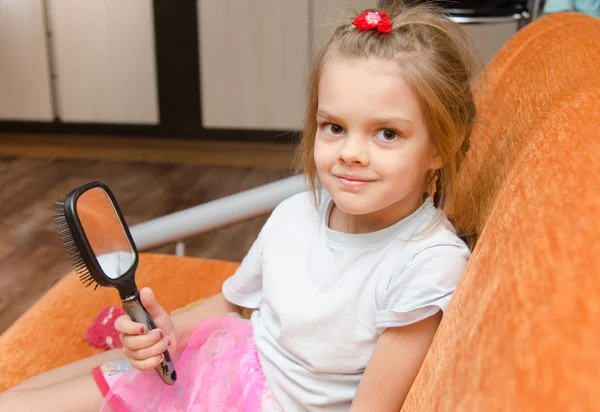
(522, 330)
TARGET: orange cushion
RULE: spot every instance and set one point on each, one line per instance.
(534, 71)
(522, 330)
(51, 333)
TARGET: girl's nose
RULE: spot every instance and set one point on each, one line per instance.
(354, 151)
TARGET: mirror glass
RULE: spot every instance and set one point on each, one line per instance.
(105, 232)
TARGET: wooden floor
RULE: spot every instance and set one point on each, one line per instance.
(31, 256)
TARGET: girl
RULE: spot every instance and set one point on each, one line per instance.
(347, 281)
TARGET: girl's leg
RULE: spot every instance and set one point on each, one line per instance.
(69, 387)
(71, 370)
(78, 394)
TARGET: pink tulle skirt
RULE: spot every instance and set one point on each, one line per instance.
(218, 371)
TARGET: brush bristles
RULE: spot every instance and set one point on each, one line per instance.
(69, 245)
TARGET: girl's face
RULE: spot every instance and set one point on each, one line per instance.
(372, 148)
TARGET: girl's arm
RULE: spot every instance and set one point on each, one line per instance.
(212, 307)
(394, 365)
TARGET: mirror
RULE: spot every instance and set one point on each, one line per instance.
(105, 233)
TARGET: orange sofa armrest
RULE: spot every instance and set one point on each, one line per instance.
(51, 332)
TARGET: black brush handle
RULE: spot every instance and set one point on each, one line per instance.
(138, 313)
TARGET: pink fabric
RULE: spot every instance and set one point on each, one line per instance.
(218, 371)
(102, 333)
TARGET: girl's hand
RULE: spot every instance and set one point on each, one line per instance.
(141, 347)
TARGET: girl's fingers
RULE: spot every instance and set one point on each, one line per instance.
(146, 353)
(144, 349)
(138, 342)
(124, 324)
(156, 312)
(147, 364)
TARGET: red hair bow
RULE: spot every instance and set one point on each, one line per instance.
(373, 20)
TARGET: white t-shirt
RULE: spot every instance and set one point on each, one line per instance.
(323, 297)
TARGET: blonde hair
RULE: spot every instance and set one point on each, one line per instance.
(436, 58)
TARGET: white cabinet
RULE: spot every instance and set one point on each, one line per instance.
(105, 61)
(24, 76)
(254, 59)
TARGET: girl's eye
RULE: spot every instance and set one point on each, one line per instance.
(387, 135)
(333, 128)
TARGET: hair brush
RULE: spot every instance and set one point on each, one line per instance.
(99, 244)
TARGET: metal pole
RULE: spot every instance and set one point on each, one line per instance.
(215, 214)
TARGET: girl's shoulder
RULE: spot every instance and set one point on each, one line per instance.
(299, 203)
(436, 238)
(298, 207)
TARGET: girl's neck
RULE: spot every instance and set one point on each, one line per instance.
(371, 222)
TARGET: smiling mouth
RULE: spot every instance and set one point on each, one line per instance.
(352, 181)
(354, 178)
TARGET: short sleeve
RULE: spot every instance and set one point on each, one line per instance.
(244, 288)
(424, 287)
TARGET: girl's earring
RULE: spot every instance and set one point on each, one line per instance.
(438, 191)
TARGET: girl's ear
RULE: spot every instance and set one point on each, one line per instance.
(436, 161)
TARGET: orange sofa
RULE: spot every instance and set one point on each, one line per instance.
(523, 329)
